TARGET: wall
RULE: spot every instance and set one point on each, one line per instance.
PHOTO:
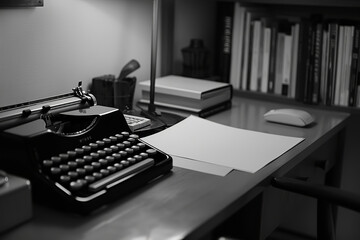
(200, 16)
(45, 51)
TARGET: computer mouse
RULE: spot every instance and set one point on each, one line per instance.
(289, 116)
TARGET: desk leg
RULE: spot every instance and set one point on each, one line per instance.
(327, 213)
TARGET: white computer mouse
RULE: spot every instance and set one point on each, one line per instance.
(289, 116)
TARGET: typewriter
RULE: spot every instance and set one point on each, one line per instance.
(77, 154)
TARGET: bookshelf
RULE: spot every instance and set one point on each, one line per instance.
(295, 10)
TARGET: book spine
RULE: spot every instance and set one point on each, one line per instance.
(273, 50)
(255, 59)
(317, 63)
(286, 66)
(308, 86)
(354, 68)
(266, 60)
(245, 62)
(333, 43)
(237, 45)
(225, 17)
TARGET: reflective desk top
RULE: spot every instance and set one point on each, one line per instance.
(186, 203)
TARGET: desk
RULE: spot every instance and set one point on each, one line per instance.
(186, 203)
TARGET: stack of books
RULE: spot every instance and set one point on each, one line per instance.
(186, 96)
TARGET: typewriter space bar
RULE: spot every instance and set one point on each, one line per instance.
(139, 167)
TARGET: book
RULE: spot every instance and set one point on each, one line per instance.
(186, 111)
(246, 52)
(188, 94)
(294, 58)
(286, 74)
(317, 63)
(272, 63)
(237, 45)
(265, 60)
(354, 68)
(331, 71)
(256, 57)
(224, 31)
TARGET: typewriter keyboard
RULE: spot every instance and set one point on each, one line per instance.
(101, 164)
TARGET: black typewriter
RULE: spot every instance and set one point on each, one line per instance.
(77, 154)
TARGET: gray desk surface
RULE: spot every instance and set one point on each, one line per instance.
(186, 203)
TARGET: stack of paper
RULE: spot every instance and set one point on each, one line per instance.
(202, 140)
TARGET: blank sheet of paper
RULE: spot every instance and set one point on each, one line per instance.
(203, 140)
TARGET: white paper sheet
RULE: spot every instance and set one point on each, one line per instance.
(200, 166)
(203, 140)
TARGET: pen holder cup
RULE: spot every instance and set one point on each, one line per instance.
(112, 93)
(124, 93)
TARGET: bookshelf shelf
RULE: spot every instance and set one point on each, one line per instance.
(322, 3)
(295, 10)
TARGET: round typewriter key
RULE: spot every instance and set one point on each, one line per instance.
(135, 136)
(93, 145)
(80, 161)
(138, 158)
(79, 151)
(95, 155)
(82, 181)
(141, 145)
(144, 155)
(129, 150)
(110, 159)
(55, 170)
(101, 153)
(126, 143)
(104, 172)
(120, 145)
(63, 156)
(103, 162)
(118, 166)
(123, 153)
(56, 159)
(116, 156)
(73, 174)
(124, 163)
(151, 152)
(65, 178)
(96, 165)
(135, 148)
(119, 136)
(108, 150)
(113, 138)
(88, 158)
(125, 134)
(97, 175)
(114, 148)
(88, 168)
(89, 178)
(131, 160)
(86, 148)
(47, 163)
(111, 169)
(131, 140)
(64, 167)
(100, 143)
(81, 171)
(75, 185)
(106, 140)
(71, 154)
(72, 164)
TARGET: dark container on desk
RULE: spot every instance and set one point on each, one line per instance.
(195, 59)
(113, 93)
